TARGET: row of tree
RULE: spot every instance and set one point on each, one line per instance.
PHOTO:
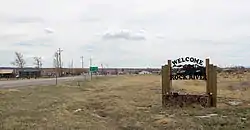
(20, 62)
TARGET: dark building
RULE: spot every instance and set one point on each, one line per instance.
(29, 73)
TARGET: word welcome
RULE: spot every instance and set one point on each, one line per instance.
(188, 77)
(187, 59)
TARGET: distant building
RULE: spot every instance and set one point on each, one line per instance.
(7, 73)
(12, 72)
(29, 72)
(144, 72)
(73, 71)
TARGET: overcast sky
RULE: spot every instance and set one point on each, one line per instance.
(125, 33)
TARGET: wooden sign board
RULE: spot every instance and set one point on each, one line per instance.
(188, 68)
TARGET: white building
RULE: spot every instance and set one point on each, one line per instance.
(144, 72)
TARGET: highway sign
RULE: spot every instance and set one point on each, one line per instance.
(93, 69)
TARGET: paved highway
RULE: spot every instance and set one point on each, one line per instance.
(33, 82)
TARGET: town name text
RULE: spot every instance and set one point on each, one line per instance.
(188, 77)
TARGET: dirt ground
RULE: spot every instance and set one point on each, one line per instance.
(123, 103)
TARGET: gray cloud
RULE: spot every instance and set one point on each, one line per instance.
(11, 36)
(42, 41)
(19, 19)
(106, 49)
(6, 57)
(160, 36)
(49, 30)
(124, 34)
(26, 20)
(89, 19)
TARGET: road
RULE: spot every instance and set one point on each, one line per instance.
(34, 82)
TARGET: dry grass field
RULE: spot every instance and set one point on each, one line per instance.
(124, 103)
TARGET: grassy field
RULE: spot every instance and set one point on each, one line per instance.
(123, 103)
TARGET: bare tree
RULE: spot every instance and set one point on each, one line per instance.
(19, 60)
(38, 62)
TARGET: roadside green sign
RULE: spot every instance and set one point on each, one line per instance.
(93, 69)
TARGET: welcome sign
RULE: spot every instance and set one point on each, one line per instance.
(188, 68)
(187, 59)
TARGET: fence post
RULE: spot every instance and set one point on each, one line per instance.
(164, 84)
(169, 72)
(214, 87)
(208, 91)
(210, 84)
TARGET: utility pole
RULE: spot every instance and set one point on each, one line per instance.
(82, 60)
(102, 69)
(69, 67)
(90, 62)
(72, 65)
(57, 61)
(90, 65)
(60, 60)
(83, 72)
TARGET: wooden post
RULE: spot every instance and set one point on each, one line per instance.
(214, 87)
(208, 91)
(164, 84)
(169, 82)
(210, 84)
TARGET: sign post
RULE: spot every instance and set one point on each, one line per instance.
(93, 69)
